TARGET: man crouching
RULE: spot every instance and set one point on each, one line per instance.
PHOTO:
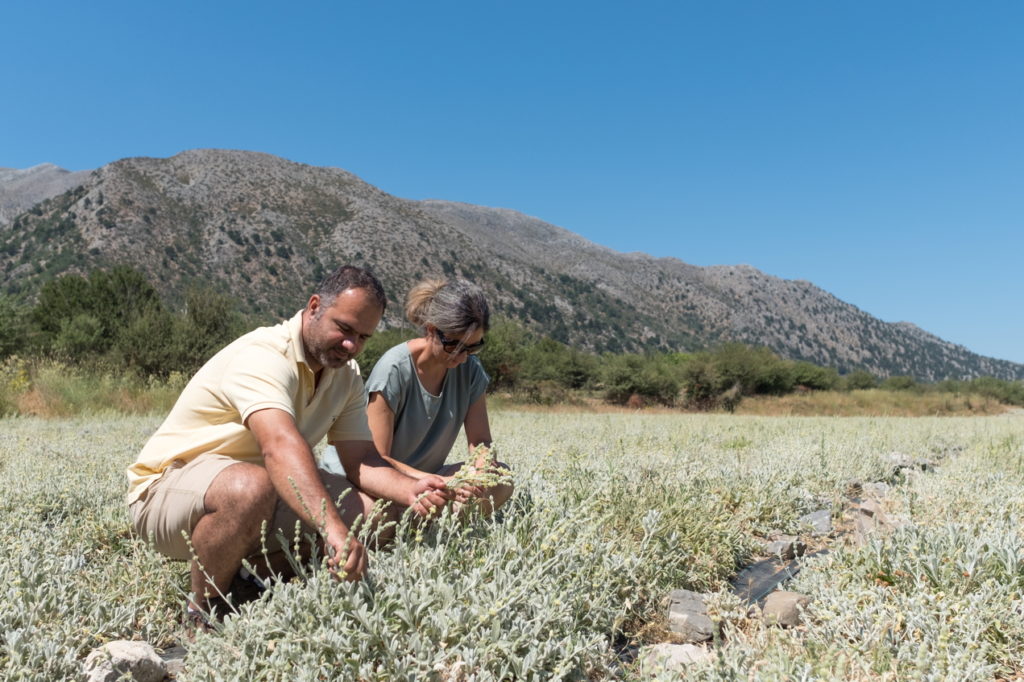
(235, 452)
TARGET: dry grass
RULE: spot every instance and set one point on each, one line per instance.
(55, 390)
(864, 403)
(870, 403)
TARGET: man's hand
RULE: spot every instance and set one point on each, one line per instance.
(348, 557)
(428, 495)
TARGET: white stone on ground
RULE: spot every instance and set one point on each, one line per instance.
(111, 661)
(667, 657)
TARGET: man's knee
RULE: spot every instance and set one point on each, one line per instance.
(242, 487)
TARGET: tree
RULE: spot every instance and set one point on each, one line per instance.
(13, 326)
(81, 335)
(210, 322)
(119, 296)
(504, 352)
(154, 343)
(648, 377)
(60, 300)
(860, 380)
(814, 377)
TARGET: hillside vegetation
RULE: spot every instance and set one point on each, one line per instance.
(108, 340)
(263, 230)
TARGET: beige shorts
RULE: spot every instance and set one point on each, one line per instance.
(174, 503)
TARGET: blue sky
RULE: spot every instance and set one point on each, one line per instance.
(875, 149)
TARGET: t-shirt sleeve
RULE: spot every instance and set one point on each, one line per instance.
(351, 424)
(478, 380)
(259, 378)
(388, 379)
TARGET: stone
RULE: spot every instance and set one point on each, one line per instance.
(901, 461)
(784, 608)
(667, 657)
(115, 659)
(864, 527)
(871, 508)
(819, 521)
(878, 489)
(174, 659)
(760, 578)
(688, 616)
(786, 547)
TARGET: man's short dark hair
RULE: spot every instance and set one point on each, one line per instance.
(350, 277)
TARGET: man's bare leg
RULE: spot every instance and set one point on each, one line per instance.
(237, 503)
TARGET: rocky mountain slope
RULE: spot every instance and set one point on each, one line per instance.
(20, 190)
(266, 229)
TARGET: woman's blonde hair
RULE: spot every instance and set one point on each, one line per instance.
(454, 306)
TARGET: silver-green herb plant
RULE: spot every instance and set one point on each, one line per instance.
(610, 513)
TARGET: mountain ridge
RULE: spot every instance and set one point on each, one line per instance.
(265, 229)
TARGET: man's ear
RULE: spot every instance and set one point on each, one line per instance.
(314, 304)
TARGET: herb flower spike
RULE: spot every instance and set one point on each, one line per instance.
(480, 470)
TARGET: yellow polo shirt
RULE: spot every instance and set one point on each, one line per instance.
(265, 368)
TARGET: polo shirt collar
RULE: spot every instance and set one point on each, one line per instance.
(295, 333)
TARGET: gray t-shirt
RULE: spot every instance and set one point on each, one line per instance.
(426, 425)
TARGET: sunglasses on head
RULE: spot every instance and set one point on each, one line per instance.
(453, 346)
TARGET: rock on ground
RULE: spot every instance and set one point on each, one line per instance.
(785, 547)
(111, 661)
(819, 521)
(783, 608)
(671, 657)
(688, 616)
(877, 489)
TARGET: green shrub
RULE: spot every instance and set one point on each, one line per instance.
(859, 380)
(504, 353)
(900, 383)
(814, 377)
(650, 377)
(13, 326)
(79, 335)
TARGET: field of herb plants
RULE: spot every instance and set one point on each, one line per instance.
(611, 513)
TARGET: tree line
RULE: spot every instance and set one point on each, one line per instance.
(115, 320)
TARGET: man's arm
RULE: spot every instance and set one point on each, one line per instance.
(292, 470)
(369, 472)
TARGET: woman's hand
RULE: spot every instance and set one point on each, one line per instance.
(466, 493)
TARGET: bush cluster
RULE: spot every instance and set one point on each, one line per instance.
(114, 320)
(543, 370)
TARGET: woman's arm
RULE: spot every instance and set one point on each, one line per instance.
(382, 427)
(478, 429)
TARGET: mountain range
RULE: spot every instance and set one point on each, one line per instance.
(266, 230)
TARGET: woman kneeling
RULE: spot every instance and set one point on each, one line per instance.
(423, 391)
